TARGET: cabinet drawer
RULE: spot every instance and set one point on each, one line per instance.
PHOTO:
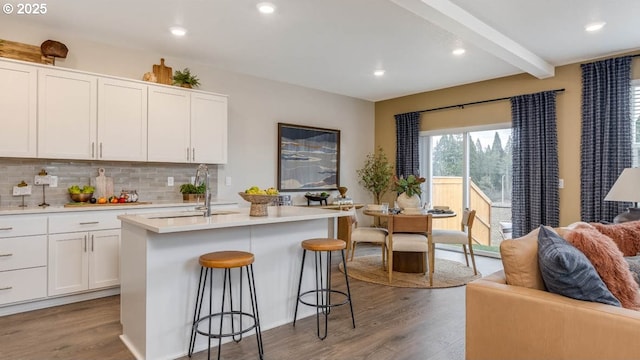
(21, 285)
(23, 252)
(11, 226)
(83, 222)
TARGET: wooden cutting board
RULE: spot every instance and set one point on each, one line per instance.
(86, 204)
(104, 185)
(163, 73)
(24, 52)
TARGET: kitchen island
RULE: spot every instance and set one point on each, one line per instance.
(159, 269)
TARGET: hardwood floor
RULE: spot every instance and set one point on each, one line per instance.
(391, 323)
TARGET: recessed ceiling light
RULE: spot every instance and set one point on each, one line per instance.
(378, 72)
(458, 51)
(178, 31)
(266, 8)
(594, 26)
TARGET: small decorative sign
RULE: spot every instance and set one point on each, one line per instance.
(42, 180)
(22, 189)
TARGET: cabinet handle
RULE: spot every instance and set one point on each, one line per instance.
(6, 288)
(188, 154)
(6, 255)
(93, 149)
(193, 157)
(100, 150)
(85, 243)
(90, 223)
(7, 228)
(92, 243)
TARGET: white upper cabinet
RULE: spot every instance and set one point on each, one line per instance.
(86, 117)
(122, 120)
(208, 128)
(187, 126)
(168, 132)
(55, 113)
(18, 110)
(67, 111)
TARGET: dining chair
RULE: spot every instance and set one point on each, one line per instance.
(364, 234)
(463, 237)
(409, 233)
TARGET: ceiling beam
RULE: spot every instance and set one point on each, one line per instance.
(458, 21)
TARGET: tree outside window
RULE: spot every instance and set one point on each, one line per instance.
(489, 166)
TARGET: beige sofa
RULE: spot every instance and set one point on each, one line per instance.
(526, 322)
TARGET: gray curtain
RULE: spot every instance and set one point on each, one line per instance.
(535, 162)
(407, 136)
(606, 135)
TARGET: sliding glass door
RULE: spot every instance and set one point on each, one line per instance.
(471, 168)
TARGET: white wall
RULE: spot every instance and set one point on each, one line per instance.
(255, 107)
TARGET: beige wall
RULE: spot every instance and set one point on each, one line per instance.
(568, 114)
(255, 107)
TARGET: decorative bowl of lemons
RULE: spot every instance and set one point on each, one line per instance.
(259, 199)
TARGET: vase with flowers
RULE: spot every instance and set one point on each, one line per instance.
(409, 190)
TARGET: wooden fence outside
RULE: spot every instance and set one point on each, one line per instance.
(447, 191)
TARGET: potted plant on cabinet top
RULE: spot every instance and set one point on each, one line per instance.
(376, 174)
(185, 79)
(192, 193)
(408, 190)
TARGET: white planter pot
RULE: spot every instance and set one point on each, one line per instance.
(406, 202)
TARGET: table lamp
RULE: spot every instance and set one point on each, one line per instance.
(626, 188)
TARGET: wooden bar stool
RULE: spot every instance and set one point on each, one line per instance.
(323, 288)
(226, 260)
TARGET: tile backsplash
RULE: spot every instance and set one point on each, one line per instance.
(149, 179)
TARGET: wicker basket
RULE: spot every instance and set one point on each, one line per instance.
(259, 203)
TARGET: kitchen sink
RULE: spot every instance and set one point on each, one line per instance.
(183, 214)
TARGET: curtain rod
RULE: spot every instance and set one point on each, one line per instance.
(461, 106)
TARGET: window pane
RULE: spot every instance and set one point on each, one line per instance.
(447, 156)
(490, 184)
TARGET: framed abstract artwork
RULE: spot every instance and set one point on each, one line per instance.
(308, 158)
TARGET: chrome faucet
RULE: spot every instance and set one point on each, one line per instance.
(202, 168)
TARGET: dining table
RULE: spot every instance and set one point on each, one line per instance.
(392, 212)
(409, 262)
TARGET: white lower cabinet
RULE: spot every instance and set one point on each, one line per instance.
(23, 284)
(61, 257)
(23, 258)
(83, 261)
(104, 259)
(84, 251)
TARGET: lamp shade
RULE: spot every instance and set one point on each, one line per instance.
(627, 187)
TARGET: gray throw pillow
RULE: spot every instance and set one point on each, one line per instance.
(567, 271)
(634, 266)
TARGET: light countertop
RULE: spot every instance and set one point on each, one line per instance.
(61, 208)
(170, 222)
